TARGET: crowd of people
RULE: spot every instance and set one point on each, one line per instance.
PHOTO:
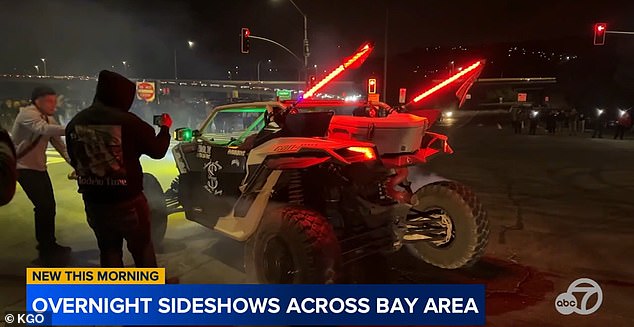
(185, 113)
(66, 109)
(108, 174)
(9, 111)
(569, 121)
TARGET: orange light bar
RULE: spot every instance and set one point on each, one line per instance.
(363, 52)
(366, 151)
(447, 81)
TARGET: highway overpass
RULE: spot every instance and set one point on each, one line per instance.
(217, 88)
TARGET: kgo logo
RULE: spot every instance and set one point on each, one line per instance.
(30, 318)
(567, 303)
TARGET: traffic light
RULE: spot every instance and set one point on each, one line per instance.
(312, 80)
(245, 46)
(372, 86)
(599, 33)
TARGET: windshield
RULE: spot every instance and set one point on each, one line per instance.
(338, 110)
(233, 125)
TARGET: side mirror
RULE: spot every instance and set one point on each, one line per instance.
(185, 134)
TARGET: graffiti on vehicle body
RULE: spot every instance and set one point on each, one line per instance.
(203, 151)
(212, 167)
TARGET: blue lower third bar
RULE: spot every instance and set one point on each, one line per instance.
(72, 305)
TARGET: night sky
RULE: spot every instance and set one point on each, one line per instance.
(82, 37)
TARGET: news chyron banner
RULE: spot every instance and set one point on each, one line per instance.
(128, 297)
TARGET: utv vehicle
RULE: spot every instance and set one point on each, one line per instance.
(311, 187)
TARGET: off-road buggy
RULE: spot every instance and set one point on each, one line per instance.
(315, 185)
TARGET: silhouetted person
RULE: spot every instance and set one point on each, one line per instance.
(624, 124)
(600, 124)
(525, 116)
(515, 120)
(573, 121)
(534, 119)
(560, 121)
(551, 122)
(5, 114)
(8, 173)
(105, 142)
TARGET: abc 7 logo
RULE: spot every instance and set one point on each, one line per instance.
(566, 303)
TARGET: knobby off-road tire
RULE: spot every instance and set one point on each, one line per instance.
(293, 245)
(158, 210)
(470, 226)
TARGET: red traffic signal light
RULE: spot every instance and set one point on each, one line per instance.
(372, 86)
(245, 46)
(599, 33)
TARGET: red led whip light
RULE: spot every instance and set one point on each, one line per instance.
(361, 54)
(447, 81)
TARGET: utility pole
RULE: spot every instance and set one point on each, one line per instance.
(44, 61)
(387, 17)
(306, 45)
(175, 66)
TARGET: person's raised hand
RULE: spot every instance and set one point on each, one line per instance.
(167, 120)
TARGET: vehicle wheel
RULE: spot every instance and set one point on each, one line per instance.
(465, 220)
(293, 245)
(158, 211)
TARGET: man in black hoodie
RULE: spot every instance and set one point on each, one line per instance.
(8, 173)
(104, 143)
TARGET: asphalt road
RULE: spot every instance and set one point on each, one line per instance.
(561, 208)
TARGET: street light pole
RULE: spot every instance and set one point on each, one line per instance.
(44, 61)
(37, 68)
(259, 62)
(283, 47)
(191, 44)
(175, 66)
(306, 45)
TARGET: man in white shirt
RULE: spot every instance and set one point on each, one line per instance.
(33, 129)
